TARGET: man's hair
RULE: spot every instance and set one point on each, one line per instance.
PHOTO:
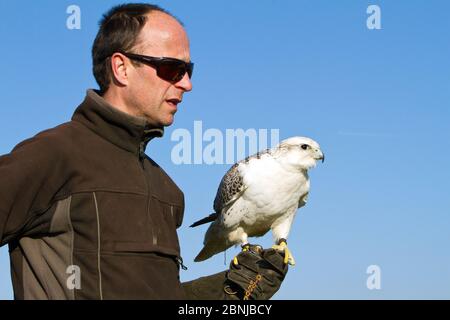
(119, 30)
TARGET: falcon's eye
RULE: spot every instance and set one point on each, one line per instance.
(304, 146)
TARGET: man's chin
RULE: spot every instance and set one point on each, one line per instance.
(168, 121)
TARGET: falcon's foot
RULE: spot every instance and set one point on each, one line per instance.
(248, 247)
(282, 246)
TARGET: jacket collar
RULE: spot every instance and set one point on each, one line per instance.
(127, 132)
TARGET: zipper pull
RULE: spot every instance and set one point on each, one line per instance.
(141, 151)
(180, 263)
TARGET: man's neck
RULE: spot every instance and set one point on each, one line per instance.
(117, 102)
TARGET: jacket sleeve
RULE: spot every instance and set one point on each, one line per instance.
(29, 177)
(207, 288)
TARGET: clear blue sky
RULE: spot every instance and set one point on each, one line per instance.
(376, 100)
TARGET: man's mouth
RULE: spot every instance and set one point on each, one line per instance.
(173, 102)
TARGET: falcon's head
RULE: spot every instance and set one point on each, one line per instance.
(299, 152)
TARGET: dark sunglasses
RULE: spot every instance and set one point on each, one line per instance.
(169, 69)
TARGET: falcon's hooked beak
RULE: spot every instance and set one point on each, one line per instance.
(320, 155)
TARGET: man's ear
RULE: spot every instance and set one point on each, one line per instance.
(119, 64)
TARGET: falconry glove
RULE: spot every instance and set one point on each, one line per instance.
(255, 274)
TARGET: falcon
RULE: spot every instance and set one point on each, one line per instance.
(261, 193)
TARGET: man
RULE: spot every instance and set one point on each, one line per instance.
(86, 214)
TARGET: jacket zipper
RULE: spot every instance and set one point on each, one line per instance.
(150, 221)
(141, 154)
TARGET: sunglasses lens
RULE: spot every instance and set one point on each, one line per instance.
(190, 69)
(172, 71)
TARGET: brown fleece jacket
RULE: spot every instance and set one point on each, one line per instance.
(87, 215)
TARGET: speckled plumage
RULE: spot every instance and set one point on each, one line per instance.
(232, 184)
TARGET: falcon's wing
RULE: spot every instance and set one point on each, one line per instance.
(232, 185)
(302, 201)
(230, 189)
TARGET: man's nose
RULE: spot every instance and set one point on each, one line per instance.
(185, 83)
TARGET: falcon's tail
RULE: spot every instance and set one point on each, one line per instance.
(211, 249)
(209, 218)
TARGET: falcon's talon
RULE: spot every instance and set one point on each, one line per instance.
(288, 257)
(245, 247)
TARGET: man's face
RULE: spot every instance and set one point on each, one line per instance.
(149, 95)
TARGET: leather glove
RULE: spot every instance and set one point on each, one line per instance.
(257, 275)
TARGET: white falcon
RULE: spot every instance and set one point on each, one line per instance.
(260, 193)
